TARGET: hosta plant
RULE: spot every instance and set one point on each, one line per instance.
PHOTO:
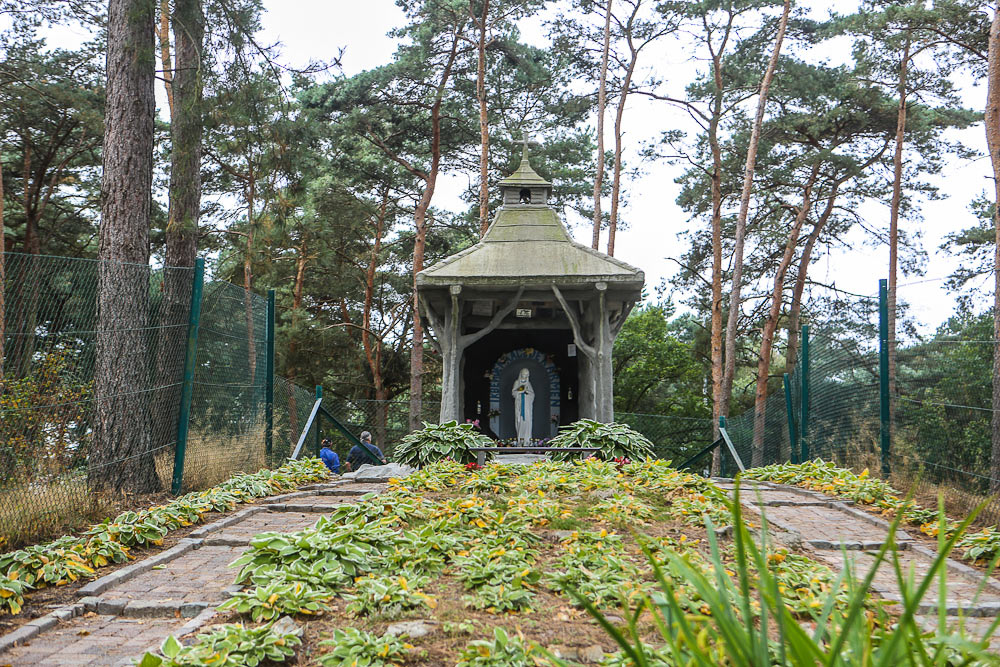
(389, 595)
(354, 648)
(611, 440)
(502, 651)
(435, 442)
(278, 598)
(229, 646)
(69, 558)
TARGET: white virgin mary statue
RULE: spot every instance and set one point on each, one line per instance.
(524, 399)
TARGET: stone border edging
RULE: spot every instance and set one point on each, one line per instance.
(225, 521)
(32, 629)
(98, 586)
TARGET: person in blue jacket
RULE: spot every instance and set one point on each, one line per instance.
(358, 457)
(330, 458)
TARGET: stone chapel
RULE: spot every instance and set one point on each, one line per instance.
(527, 296)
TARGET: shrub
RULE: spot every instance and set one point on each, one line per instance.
(436, 442)
(614, 441)
(228, 646)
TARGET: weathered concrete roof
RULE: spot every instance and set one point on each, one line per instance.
(525, 176)
(529, 245)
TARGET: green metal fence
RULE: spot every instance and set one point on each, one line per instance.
(218, 387)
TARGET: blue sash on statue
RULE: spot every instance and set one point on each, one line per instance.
(522, 404)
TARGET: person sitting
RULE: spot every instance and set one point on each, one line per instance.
(329, 457)
(369, 454)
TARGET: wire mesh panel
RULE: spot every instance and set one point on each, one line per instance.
(61, 454)
(675, 437)
(57, 420)
(227, 404)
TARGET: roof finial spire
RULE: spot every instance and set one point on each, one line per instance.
(524, 146)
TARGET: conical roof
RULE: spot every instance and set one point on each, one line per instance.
(524, 176)
(529, 245)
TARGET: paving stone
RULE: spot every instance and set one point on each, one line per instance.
(262, 522)
(197, 576)
(93, 640)
(824, 524)
(963, 592)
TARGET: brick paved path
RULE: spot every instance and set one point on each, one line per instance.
(833, 528)
(130, 611)
(122, 615)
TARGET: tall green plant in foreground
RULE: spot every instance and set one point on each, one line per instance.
(436, 442)
(750, 623)
(612, 440)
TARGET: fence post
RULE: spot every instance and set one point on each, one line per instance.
(269, 382)
(804, 397)
(883, 373)
(722, 452)
(319, 419)
(187, 386)
(790, 412)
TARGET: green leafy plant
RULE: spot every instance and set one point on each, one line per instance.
(612, 440)
(354, 648)
(502, 651)
(389, 594)
(748, 619)
(435, 442)
(267, 602)
(69, 558)
(227, 646)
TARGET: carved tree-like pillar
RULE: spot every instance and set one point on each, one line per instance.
(451, 344)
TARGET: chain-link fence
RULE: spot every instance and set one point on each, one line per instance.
(73, 381)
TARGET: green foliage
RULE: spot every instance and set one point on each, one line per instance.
(269, 601)
(41, 412)
(612, 440)
(501, 577)
(389, 595)
(227, 646)
(748, 619)
(352, 647)
(435, 442)
(502, 651)
(68, 558)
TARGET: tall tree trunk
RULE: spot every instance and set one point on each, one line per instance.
(373, 352)
(121, 459)
(291, 371)
(897, 195)
(602, 101)
(484, 127)
(3, 283)
(720, 405)
(26, 294)
(735, 299)
(186, 123)
(992, 118)
(168, 71)
(420, 225)
(795, 307)
(771, 323)
(617, 178)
